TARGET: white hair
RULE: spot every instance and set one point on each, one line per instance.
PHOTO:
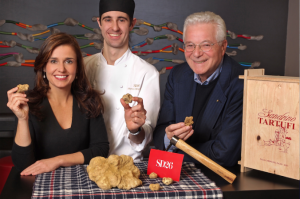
(207, 17)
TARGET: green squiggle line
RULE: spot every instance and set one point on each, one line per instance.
(85, 46)
(5, 33)
(6, 56)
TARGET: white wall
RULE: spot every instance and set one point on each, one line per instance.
(292, 40)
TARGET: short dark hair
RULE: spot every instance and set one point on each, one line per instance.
(126, 6)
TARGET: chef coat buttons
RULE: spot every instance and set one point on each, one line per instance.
(125, 65)
(121, 86)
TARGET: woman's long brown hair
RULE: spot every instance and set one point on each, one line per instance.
(89, 99)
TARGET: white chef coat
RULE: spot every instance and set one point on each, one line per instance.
(129, 74)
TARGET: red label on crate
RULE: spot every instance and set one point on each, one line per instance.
(165, 164)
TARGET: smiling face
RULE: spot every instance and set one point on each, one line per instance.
(204, 63)
(61, 68)
(115, 27)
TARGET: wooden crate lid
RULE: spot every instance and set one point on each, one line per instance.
(272, 78)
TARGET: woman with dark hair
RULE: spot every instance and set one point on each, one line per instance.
(60, 122)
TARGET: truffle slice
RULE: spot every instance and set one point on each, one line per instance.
(188, 121)
(127, 98)
(153, 175)
(22, 88)
(167, 181)
(154, 187)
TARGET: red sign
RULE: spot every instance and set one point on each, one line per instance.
(165, 164)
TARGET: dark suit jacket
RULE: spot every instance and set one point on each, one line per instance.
(222, 118)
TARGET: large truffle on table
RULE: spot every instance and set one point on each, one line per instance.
(115, 171)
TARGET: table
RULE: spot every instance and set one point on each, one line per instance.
(252, 184)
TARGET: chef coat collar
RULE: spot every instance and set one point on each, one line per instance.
(123, 58)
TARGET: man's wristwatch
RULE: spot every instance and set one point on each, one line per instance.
(139, 130)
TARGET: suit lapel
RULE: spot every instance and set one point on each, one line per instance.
(218, 98)
(214, 107)
(185, 94)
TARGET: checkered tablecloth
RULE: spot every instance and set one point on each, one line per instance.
(73, 182)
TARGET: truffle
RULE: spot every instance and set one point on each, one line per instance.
(127, 98)
(115, 171)
(153, 175)
(154, 187)
(188, 121)
(22, 88)
(167, 181)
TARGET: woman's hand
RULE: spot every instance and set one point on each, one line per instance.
(42, 166)
(17, 102)
(50, 164)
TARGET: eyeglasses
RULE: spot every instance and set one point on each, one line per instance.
(204, 46)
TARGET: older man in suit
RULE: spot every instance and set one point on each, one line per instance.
(207, 87)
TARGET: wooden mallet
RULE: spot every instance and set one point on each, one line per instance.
(221, 171)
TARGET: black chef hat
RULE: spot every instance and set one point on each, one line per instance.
(126, 6)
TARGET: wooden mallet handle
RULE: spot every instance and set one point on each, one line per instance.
(221, 171)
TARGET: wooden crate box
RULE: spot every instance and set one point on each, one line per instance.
(270, 138)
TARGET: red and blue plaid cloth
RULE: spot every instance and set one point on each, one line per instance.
(73, 182)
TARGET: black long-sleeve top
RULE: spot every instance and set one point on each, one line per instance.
(87, 136)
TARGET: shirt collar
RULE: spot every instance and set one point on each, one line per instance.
(211, 77)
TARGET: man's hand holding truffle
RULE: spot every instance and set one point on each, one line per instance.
(135, 118)
(180, 130)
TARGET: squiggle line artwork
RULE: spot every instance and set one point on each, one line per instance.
(96, 35)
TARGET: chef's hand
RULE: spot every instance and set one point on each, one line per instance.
(135, 116)
(41, 166)
(180, 130)
(17, 102)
